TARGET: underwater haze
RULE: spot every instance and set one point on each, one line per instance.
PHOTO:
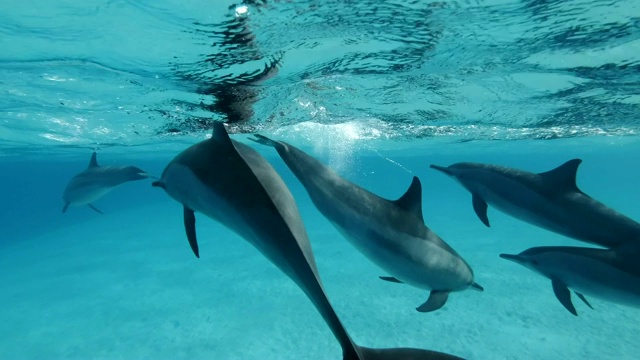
(376, 90)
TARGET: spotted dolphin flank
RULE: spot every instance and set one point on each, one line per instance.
(95, 181)
(609, 274)
(392, 234)
(234, 185)
(550, 200)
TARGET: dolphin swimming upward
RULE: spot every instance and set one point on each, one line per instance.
(231, 183)
(612, 275)
(95, 181)
(550, 200)
(391, 234)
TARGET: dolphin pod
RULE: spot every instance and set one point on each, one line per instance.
(392, 234)
(233, 184)
(553, 201)
(95, 181)
(550, 200)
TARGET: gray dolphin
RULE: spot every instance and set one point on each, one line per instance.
(391, 234)
(95, 181)
(608, 274)
(231, 183)
(550, 200)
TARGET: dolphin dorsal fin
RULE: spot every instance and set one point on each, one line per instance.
(564, 176)
(412, 198)
(93, 162)
(219, 133)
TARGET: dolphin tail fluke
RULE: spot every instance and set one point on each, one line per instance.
(190, 228)
(401, 354)
(95, 209)
(65, 207)
(261, 139)
(436, 300)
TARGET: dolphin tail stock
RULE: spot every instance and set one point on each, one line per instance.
(401, 354)
(261, 139)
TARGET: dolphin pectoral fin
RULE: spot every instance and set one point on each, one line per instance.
(190, 228)
(94, 208)
(564, 295)
(475, 286)
(65, 207)
(480, 207)
(436, 300)
(584, 299)
(390, 279)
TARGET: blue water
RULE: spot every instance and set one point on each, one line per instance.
(376, 90)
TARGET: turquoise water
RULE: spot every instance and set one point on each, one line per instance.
(378, 91)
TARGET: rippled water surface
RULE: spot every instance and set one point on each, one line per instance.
(131, 73)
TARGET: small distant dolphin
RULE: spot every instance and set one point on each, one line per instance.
(612, 275)
(231, 183)
(550, 200)
(391, 234)
(95, 181)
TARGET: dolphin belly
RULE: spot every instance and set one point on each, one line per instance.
(597, 279)
(415, 261)
(525, 204)
(83, 194)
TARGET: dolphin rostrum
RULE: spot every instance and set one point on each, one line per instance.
(233, 184)
(608, 274)
(95, 181)
(392, 234)
(550, 200)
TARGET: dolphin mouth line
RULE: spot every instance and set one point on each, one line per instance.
(441, 168)
(511, 257)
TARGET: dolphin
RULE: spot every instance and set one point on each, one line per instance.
(390, 233)
(609, 274)
(95, 181)
(550, 200)
(234, 185)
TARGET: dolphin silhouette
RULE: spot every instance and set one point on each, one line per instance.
(609, 274)
(231, 183)
(392, 234)
(550, 200)
(95, 181)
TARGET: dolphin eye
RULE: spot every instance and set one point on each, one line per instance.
(534, 262)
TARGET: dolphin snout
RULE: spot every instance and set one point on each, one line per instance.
(147, 175)
(442, 169)
(158, 183)
(516, 258)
